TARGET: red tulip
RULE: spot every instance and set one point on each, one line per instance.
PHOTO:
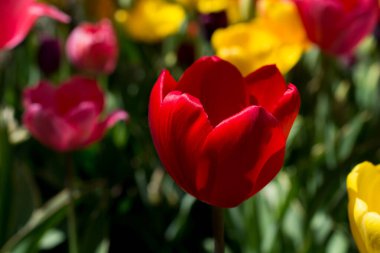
(67, 118)
(18, 16)
(337, 26)
(220, 136)
(93, 47)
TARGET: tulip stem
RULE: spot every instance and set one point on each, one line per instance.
(218, 229)
(71, 218)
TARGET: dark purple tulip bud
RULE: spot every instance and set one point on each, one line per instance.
(186, 54)
(376, 32)
(212, 21)
(49, 55)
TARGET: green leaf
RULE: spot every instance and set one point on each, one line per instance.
(43, 219)
(5, 181)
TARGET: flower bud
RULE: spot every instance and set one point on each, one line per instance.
(93, 47)
(49, 55)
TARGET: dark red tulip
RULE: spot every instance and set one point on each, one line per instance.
(220, 136)
(337, 26)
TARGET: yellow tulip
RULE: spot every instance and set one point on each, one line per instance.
(363, 186)
(275, 36)
(152, 20)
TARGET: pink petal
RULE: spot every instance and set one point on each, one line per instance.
(266, 86)
(83, 120)
(338, 26)
(40, 9)
(17, 18)
(218, 85)
(78, 90)
(49, 129)
(101, 128)
(235, 155)
(182, 128)
(42, 94)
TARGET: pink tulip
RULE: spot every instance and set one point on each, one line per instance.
(18, 16)
(93, 47)
(337, 26)
(67, 118)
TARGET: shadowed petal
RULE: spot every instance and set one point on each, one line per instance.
(77, 90)
(265, 87)
(218, 85)
(234, 155)
(42, 94)
(183, 127)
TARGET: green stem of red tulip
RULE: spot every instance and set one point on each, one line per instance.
(71, 218)
(218, 229)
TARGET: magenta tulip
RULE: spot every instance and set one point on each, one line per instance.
(18, 16)
(93, 47)
(337, 26)
(220, 136)
(66, 118)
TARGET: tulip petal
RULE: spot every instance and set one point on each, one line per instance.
(77, 90)
(218, 85)
(42, 94)
(40, 9)
(363, 197)
(266, 86)
(82, 119)
(356, 210)
(183, 127)
(287, 108)
(17, 28)
(235, 154)
(338, 26)
(371, 231)
(101, 128)
(164, 84)
(48, 128)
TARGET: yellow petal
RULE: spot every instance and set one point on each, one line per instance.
(363, 186)
(250, 46)
(356, 210)
(371, 230)
(153, 20)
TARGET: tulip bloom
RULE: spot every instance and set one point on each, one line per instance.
(67, 118)
(363, 186)
(220, 136)
(337, 26)
(152, 20)
(275, 36)
(93, 47)
(18, 16)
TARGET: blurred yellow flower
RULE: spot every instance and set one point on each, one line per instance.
(363, 186)
(209, 6)
(275, 36)
(152, 20)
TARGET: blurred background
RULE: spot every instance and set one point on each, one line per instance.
(124, 199)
